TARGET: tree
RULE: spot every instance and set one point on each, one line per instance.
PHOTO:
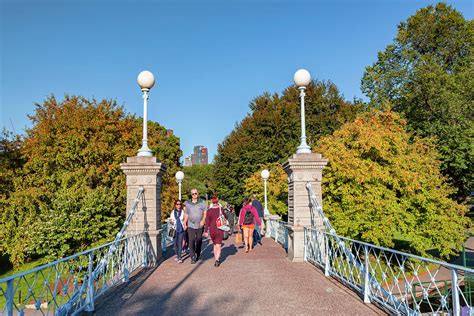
(271, 133)
(10, 161)
(426, 74)
(383, 185)
(70, 192)
(199, 177)
(277, 188)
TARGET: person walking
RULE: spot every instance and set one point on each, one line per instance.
(247, 219)
(178, 219)
(231, 218)
(257, 233)
(196, 212)
(216, 234)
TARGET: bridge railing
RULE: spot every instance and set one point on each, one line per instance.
(399, 282)
(70, 285)
(166, 240)
(277, 230)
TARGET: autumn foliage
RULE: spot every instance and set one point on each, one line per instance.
(384, 186)
(70, 192)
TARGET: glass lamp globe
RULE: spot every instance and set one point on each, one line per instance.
(146, 80)
(302, 78)
(179, 176)
(265, 174)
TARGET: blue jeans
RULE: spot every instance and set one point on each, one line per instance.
(178, 244)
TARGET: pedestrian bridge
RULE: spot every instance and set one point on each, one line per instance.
(262, 282)
(338, 276)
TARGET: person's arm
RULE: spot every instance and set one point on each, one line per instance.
(185, 221)
(204, 215)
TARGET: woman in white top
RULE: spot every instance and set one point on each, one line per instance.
(179, 221)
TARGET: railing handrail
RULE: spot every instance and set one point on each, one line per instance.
(44, 266)
(119, 237)
(445, 264)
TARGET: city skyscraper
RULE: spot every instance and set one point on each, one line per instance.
(200, 155)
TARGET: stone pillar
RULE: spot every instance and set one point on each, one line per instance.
(146, 172)
(302, 168)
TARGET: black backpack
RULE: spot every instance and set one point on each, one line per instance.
(248, 219)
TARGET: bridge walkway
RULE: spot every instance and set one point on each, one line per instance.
(262, 282)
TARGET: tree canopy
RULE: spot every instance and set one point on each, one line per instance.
(70, 192)
(426, 74)
(199, 177)
(277, 188)
(271, 132)
(384, 186)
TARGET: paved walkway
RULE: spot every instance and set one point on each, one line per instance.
(262, 282)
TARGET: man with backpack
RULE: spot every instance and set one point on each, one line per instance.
(247, 219)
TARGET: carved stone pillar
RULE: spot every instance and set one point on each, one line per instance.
(146, 172)
(301, 168)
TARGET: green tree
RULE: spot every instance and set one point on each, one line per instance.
(70, 193)
(383, 185)
(200, 177)
(10, 161)
(426, 74)
(277, 188)
(271, 133)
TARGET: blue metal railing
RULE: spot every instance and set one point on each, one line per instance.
(399, 282)
(277, 230)
(71, 285)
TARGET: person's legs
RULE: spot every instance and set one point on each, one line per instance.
(217, 254)
(255, 234)
(192, 242)
(175, 246)
(251, 239)
(185, 241)
(246, 238)
(198, 242)
(179, 238)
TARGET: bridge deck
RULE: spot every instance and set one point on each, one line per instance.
(262, 282)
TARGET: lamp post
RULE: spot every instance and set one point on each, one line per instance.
(265, 174)
(146, 81)
(179, 178)
(302, 78)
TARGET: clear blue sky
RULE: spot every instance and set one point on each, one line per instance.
(210, 58)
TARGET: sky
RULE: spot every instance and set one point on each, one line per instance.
(210, 58)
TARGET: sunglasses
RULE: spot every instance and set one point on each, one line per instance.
(178, 203)
(195, 193)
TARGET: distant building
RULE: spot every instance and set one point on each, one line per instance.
(188, 162)
(200, 155)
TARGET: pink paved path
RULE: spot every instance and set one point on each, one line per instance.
(262, 282)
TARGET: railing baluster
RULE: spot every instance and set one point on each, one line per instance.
(366, 275)
(9, 296)
(125, 262)
(455, 292)
(90, 285)
(326, 259)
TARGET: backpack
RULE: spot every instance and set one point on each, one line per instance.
(248, 219)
